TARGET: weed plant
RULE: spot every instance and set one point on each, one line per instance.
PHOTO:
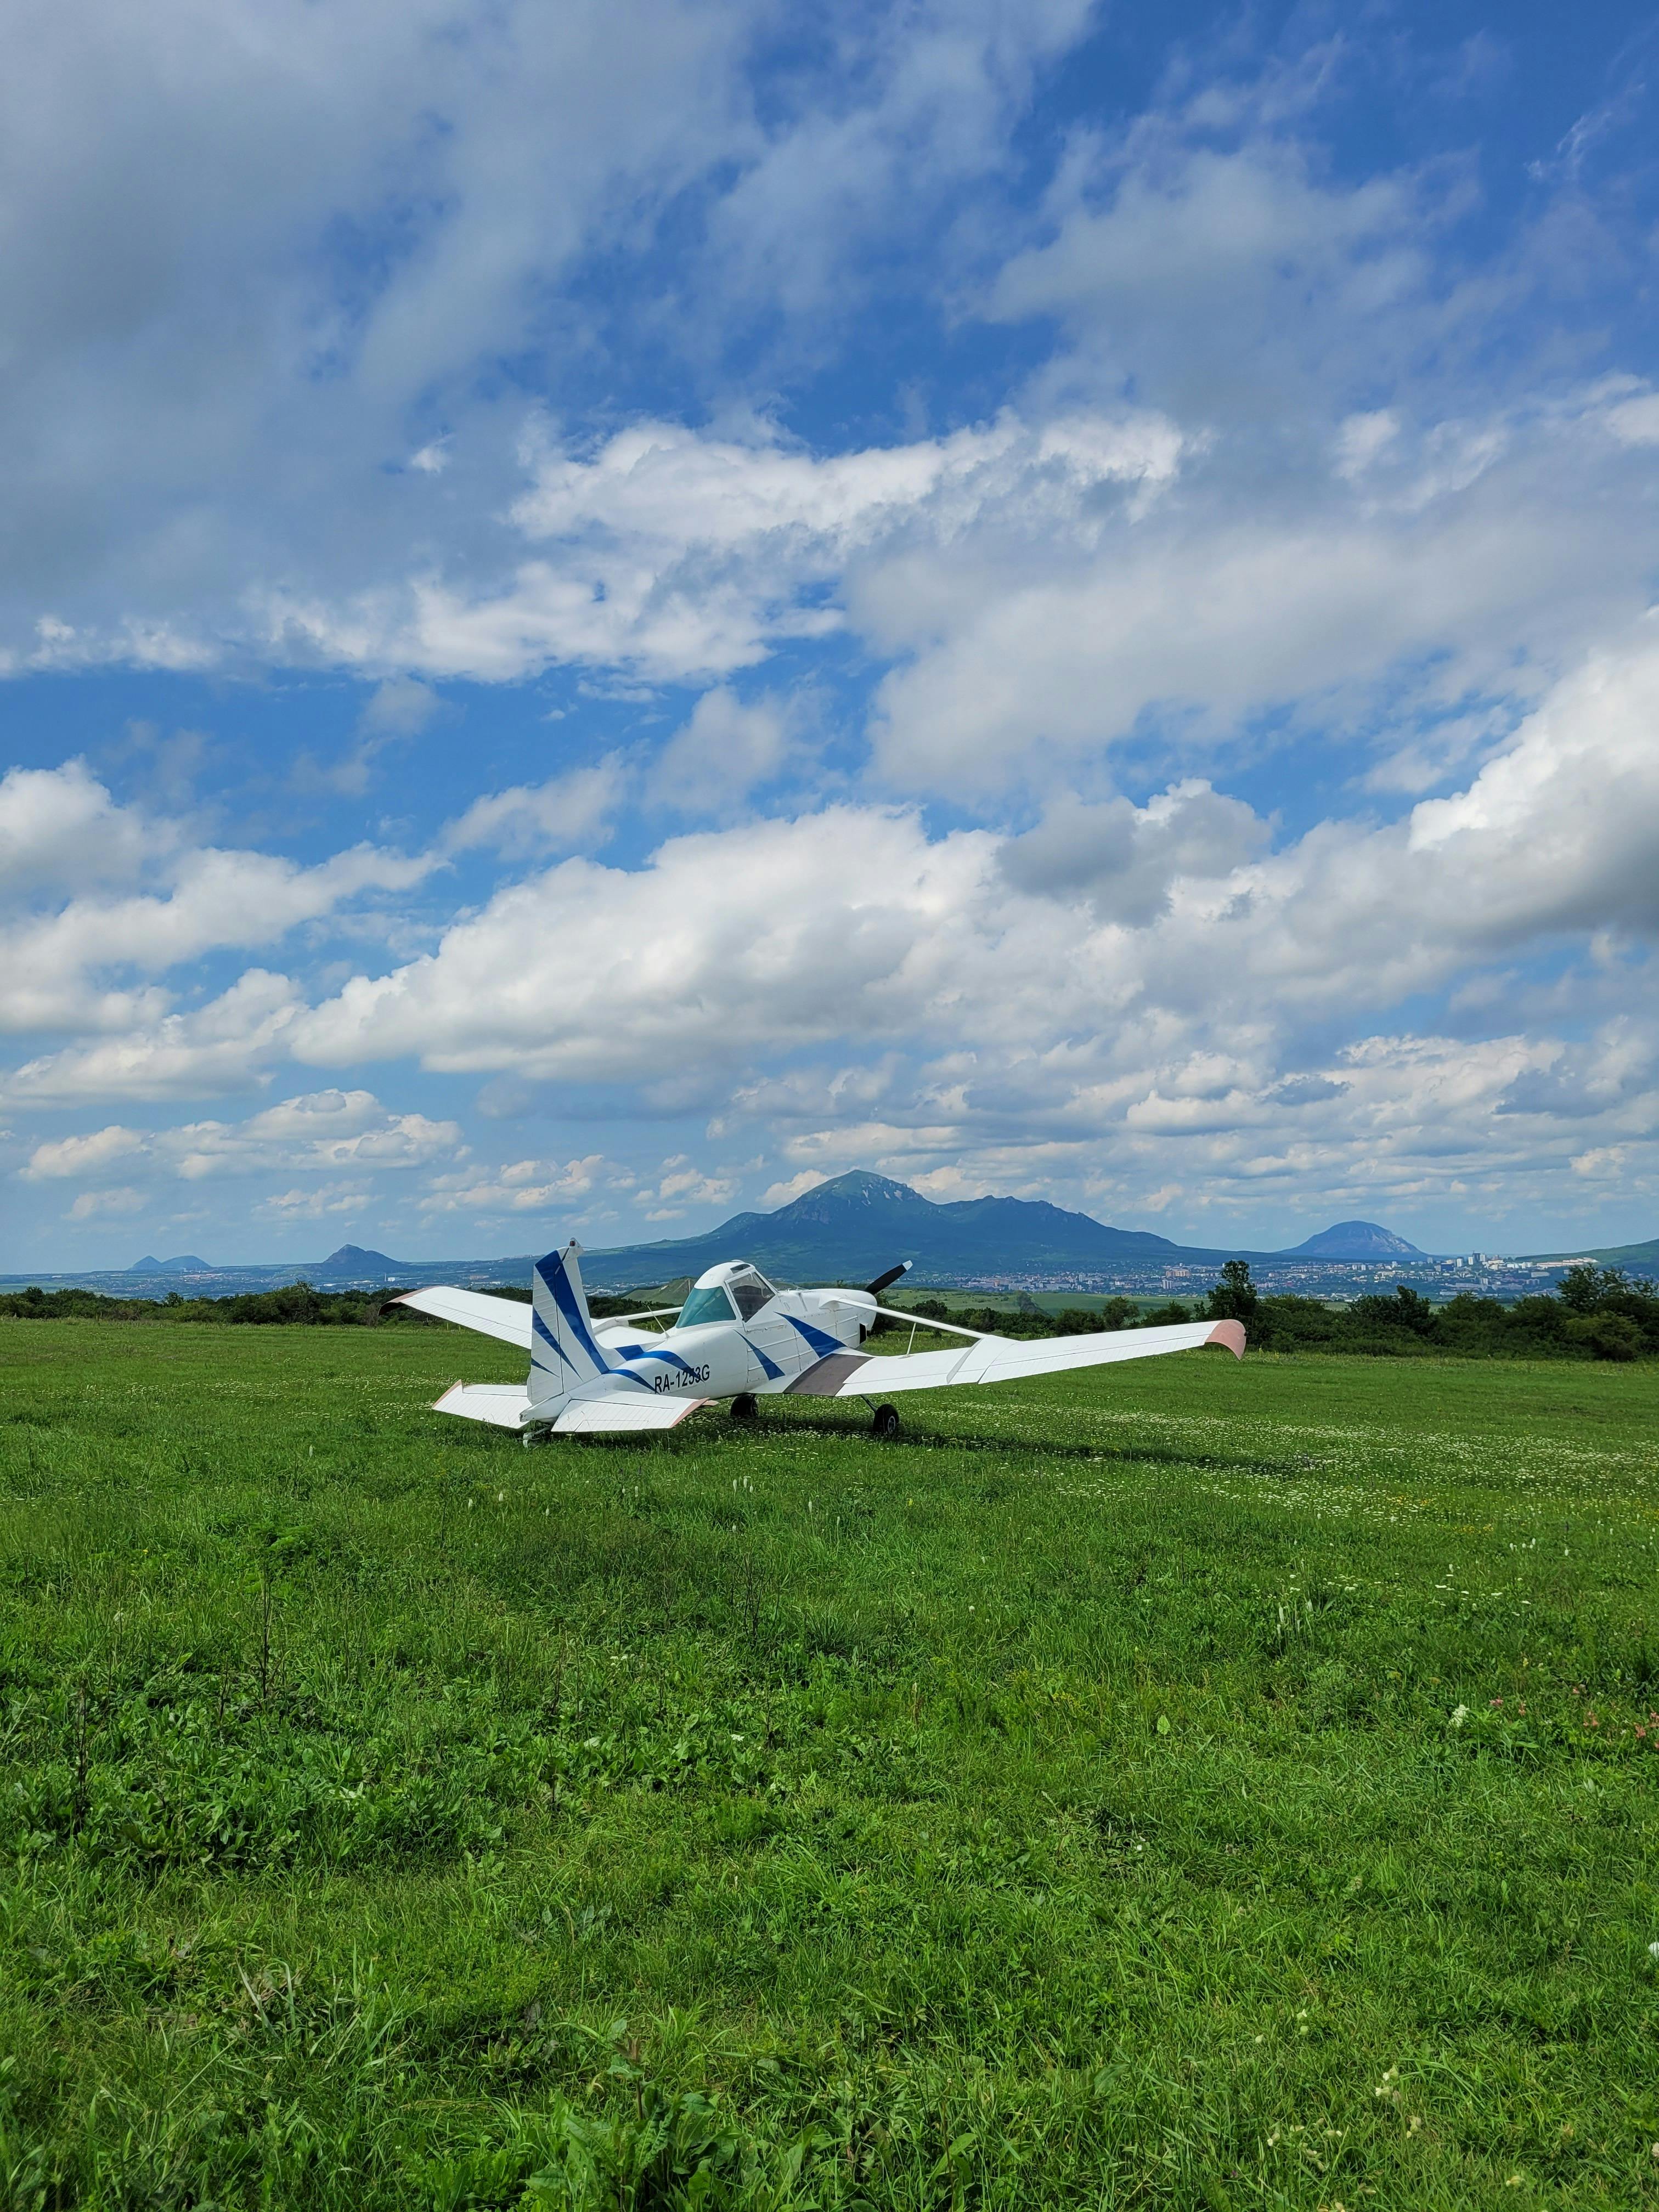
(1190, 1784)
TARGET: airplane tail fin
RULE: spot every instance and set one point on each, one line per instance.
(564, 1352)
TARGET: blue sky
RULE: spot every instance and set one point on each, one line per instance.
(607, 611)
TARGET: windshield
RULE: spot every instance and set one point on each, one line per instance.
(751, 1292)
(711, 1304)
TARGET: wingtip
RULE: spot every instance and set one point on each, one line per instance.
(1229, 1333)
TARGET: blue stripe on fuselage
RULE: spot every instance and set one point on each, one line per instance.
(820, 1343)
(672, 1358)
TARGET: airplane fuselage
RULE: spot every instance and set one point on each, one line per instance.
(756, 1358)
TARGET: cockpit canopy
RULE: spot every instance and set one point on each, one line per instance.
(733, 1285)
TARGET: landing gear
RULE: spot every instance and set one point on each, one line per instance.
(744, 1407)
(884, 1422)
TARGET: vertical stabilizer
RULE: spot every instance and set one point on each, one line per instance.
(564, 1352)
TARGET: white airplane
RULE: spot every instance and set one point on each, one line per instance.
(739, 1337)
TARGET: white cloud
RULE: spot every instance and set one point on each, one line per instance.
(1142, 986)
(522, 1186)
(80, 1155)
(400, 707)
(1124, 860)
(680, 1185)
(687, 555)
(797, 1186)
(854, 923)
(60, 830)
(92, 1203)
(1636, 422)
(226, 1046)
(727, 944)
(568, 812)
(105, 898)
(316, 1204)
(724, 750)
(325, 1132)
(278, 356)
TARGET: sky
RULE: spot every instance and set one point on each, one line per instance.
(606, 611)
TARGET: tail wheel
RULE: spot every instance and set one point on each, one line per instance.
(885, 1422)
(744, 1407)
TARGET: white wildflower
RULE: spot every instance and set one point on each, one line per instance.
(1460, 1716)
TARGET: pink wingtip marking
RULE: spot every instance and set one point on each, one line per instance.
(1229, 1333)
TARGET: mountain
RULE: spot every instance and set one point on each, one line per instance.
(1353, 1240)
(187, 1263)
(859, 1224)
(848, 1230)
(357, 1260)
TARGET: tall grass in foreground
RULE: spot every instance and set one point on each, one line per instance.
(1192, 1784)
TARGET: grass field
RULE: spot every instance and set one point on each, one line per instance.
(1185, 1785)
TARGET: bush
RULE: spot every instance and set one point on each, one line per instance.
(1610, 1335)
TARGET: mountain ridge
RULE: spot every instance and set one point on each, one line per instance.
(853, 1226)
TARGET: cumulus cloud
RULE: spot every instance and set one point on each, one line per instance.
(60, 830)
(853, 922)
(123, 1199)
(521, 1186)
(105, 898)
(1284, 461)
(83, 1156)
(326, 1132)
(318, 1203)
(1124, 859)
(685, 554)
(680, 1186)
(796, 1186)
(724, 750)
(280, 354)
(728, 943)
(564, 813)
(230, 1045)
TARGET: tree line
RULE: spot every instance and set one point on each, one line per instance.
(1595, 1313)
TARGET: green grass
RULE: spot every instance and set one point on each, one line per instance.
(1060, 1806)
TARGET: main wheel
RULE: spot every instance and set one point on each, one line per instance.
(744, 1407)
(885, 1422)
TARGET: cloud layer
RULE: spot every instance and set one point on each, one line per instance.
(733, 603)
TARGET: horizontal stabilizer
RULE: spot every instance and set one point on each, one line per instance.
(619, 1416)
(503, 1405)
(501, 1317)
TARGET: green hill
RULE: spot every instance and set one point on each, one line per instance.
(1610, 1255)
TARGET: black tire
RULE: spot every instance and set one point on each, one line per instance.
(744, 1407)
(885, 1422)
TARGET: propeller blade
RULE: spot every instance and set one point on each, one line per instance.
(874, 1290)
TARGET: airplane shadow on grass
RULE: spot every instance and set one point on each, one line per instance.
(717, 1429)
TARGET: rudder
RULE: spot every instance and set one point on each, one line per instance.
(564, 1352)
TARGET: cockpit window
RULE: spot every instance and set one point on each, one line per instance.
(751, 1292)
(709, 1304)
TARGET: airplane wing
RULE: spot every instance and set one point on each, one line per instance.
(1004, 1359)
(501, 1317)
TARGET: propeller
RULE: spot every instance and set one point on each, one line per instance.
(874, 1290)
